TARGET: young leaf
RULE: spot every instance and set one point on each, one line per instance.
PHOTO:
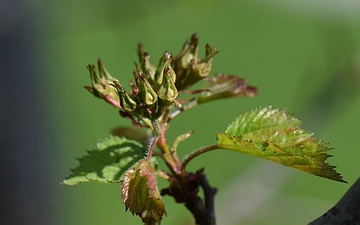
(109, 162)
(274, 134)
(141, 194)
(225, 86)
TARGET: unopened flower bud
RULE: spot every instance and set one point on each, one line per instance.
(146, 93)
(167, 91)
(104, 73)
(188, 67)
(102, 84)
(126, 102)
(145, 64)
(165, 61)
(182, 60)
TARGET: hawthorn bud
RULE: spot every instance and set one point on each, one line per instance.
(103, 72)
(164, 62)
(102, 84)
(145, 64)
(146, 93)
(188, 67)
(167, 91)
(126, 102)
(181, 61)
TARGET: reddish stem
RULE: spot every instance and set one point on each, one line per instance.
(170, 158)
(195, 154)
(151, 147)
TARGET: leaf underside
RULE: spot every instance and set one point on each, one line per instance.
(141, 194)
(113, 157)
(274, 134)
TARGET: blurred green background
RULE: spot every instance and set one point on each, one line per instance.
(302, 55)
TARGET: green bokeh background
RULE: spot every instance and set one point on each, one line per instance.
(301, 56)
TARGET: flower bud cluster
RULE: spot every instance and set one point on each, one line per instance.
(156, 87)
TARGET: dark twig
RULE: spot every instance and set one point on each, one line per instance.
(203, 214)
(346, 211)
(200, 212)
(209, 194)
(188, 193)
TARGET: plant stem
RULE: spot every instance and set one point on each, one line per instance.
(203, 214)
(171, 161)
(192, 155)
(165, 175)
(346, 211)
(187, 106)
(209, 193)
(151, 147)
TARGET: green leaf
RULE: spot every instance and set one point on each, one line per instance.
(141, 194)
(274, 134)
(109, 162)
